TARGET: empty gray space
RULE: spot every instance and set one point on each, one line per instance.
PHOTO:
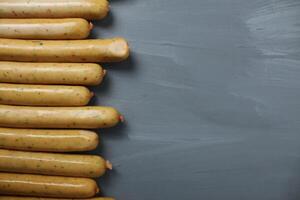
(211, 97)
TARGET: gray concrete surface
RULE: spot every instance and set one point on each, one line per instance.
(211, 96)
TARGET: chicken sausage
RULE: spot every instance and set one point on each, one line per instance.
(51, 73)
(54, 29)
(58, 117)
(47, 186)
(48, 140)
(44, 95)
(88, 9)
(93, 50)
(88, 166)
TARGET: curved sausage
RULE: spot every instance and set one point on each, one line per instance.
(88, 166)
(58, 117)
(88, 9)
(44, 95)
(37, 198)
(48, 140)
(47, 186)
(93, 50)
(54, 29)
(51, 73)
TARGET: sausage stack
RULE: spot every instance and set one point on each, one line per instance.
(46, 62)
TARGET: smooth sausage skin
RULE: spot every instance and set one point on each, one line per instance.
(93, 50)
(54, 29)
(88, 9)
(58, 117)
(48, 140)
(47, 186)
(51, 73)
(44, 95)
(88, 166)
(37, 198)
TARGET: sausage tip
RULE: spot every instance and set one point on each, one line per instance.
(109, 165)
(104, 72)
(97, 190)
(91, 26)
(122, 118)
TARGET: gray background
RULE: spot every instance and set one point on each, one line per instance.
(211, 96)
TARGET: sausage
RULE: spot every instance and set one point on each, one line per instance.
(54, 29)
(47, 186)
(48, 140)
(93, 50)
(88, 166)
(44, 95)
(58, 117)
(37, 198)
(88, 9)
(51, 73)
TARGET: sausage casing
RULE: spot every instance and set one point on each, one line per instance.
(48, 140)
(72, 165)
(44, 95)
(58, 117)
(37, 198)
(93, 50)
(54, 29)
(51, 73)
(47, 186)
(88, 9)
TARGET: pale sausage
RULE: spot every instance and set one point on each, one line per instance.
(54, 29)
(93, 50)
(58, 117)
(88, 9)
(88, 166)
(48, 140)
(51, 73)
(44, 95)
(47, 186)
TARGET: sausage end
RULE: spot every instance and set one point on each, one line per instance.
(108, 165)
(118, 50)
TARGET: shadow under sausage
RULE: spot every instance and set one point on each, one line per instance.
(127, 66)
(107, 23)
(100, 91)
(107, 181)
(110, 177)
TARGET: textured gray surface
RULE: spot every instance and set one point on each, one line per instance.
(211, 96)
